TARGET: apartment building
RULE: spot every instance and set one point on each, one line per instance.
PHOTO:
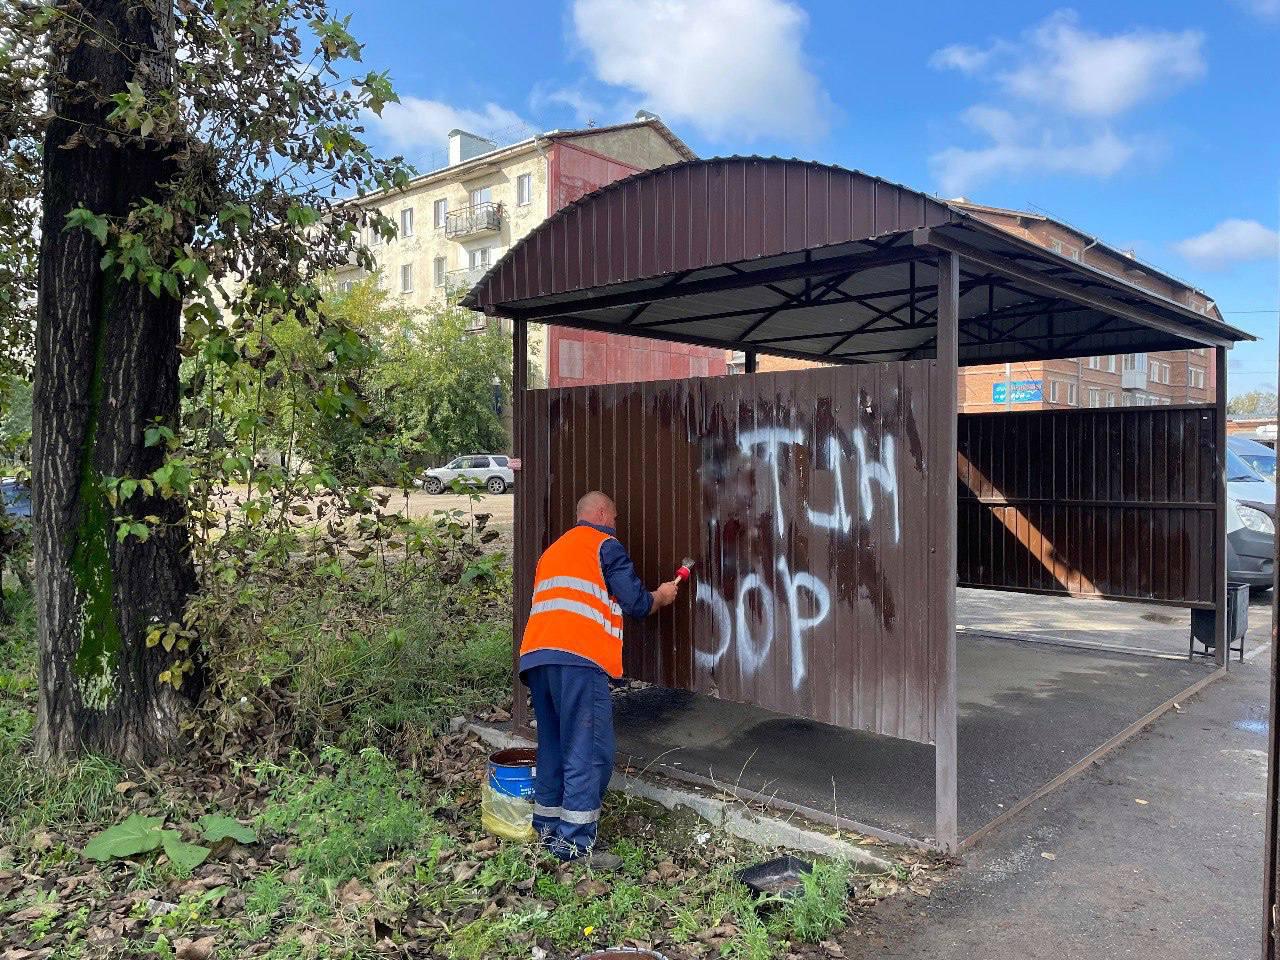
(455, 222)
(1125, 380)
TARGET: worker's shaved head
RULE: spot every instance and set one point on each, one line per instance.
(596, 507)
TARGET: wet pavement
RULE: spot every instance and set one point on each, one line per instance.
(1028, 712)
(1155, 852)
(1139, 627)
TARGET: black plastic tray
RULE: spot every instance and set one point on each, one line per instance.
(781, 877)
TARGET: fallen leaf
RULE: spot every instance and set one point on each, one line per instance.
(833, 949)
(37, 912)
(124, 786)
(463, 872)
(353, 892)
(186, 949)
(1141, 803)
(591, 887)
(1049, 856)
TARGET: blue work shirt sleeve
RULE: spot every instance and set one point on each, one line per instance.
(622, 580)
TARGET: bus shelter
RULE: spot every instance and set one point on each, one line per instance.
(833, 510)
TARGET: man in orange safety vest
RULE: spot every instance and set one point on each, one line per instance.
(572, 645)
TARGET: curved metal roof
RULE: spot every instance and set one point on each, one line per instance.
(811, 260)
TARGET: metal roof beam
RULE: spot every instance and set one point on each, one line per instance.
(931, 237)
(754, 278)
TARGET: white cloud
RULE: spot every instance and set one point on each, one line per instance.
(1060, 64)
(1060, 89)
(1266, 9)
(416, 124)
(735, 69)
(584, 106)
(1231, 241)
(1018, 147)
(962, 57)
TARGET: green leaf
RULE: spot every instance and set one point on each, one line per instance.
(185, 856)
(136, 835)
(217, 826)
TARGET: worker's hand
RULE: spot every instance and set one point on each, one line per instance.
(666, 594)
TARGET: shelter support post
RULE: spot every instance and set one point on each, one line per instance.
(1221, 651)
(943, 518)
(749, 364)
(522, 535)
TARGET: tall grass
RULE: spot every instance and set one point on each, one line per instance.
(36, 795)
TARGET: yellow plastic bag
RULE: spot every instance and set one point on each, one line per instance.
(505, 816)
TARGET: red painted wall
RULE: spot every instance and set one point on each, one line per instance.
(577, 357)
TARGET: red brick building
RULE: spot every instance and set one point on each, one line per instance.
(1126, 380)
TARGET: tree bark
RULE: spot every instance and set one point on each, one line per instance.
(106, 368)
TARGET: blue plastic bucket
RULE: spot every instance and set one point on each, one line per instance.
(511, 772)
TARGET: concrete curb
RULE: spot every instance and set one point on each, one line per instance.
(762, 830)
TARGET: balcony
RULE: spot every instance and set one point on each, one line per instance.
(1133, 379)
(473, 221)
(461, 281)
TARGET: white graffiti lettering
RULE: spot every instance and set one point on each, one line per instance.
(736, 623)
(882, 472)
(772, 439)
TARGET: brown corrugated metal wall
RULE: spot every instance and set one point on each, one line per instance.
(802, 496)
(1118, 503)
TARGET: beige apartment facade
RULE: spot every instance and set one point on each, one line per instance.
(453, 223)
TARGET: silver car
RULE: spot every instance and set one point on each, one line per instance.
(489, 470)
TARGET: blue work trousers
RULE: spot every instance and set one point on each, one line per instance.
(575, 754)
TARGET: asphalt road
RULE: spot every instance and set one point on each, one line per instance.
(1091, 872)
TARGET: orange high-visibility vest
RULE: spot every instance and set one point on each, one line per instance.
(571, 608)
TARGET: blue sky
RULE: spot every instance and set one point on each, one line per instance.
(1153, 125)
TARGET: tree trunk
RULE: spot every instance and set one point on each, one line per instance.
(106, 368)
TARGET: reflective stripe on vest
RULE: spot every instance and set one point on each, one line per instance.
(571, 609)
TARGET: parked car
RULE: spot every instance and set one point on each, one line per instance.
(17, 497)
(492, 471)
(1251, 524)
(1260, 458)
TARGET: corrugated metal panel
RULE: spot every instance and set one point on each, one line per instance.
(803, 497)
(1115, 503)
(703, 212)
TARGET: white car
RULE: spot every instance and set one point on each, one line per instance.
(492, 471)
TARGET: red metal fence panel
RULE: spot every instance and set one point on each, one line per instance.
(802, 496)
(1116, 503)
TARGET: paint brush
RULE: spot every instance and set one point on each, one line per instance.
(686, 569)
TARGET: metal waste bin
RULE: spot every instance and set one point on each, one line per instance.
(1237, 624)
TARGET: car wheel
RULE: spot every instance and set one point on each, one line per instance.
(433, 485)
(496, 485)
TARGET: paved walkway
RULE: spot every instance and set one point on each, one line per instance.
(1176, 877)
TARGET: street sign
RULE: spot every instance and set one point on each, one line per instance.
(1017, 391)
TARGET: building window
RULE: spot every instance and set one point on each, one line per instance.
(440, 212)
(1111, 364)
(1053, 391)
(1095, 397)
(374, 237)
(439, 265)
(345, 286)
(406, 222)
(478, 258)
(524, 189)
(571, 359)
(1095, 363)
(406, 278)
(1073, 395)
(481, 195)
(1111, 398)
(1195, 377)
